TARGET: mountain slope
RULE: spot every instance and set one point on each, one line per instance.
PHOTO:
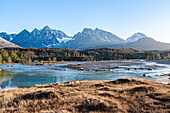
(141, 44)
(148, 44)
(5, 44)
(6, 36)
(136, 37)
(26, 39)
(49, 37)
(45, 37)
(85, 39)
(108, 36)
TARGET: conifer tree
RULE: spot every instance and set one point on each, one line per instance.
(29, 60)
(1, 58)
(49, 59)
(158, 57)
(168, 56)
(9, 59)
(163, 57)
(54, 59)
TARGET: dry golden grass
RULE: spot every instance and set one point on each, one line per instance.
(120, 96)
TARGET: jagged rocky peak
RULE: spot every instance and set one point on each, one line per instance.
(108, 36)
(35, 32)
(98, 30)
(24, 32)
(87, 30)
(136, 37)
(46, 27)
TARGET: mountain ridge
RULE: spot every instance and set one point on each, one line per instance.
(87, 38)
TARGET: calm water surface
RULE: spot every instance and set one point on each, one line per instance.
(21, 76)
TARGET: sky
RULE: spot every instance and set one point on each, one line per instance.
(121, 17)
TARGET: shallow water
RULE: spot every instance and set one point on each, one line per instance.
(21, 76)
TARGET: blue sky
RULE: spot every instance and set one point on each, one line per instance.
(121, 17)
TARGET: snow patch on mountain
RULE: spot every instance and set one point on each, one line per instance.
(64, 39)
(136, 37)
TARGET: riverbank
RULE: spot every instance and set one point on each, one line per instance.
(161, 61)
(122, 95)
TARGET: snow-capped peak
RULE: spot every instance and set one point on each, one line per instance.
(136, 37)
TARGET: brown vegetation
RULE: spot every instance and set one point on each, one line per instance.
(120, 96)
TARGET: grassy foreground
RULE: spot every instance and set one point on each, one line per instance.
(122, 95)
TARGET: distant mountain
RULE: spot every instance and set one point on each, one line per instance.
(148, 44)
(136, 37)
(5, 44)
(87, 39)
(91, 38)
(26, 39)
(6, 36)
(108, 36)
(84, 39)
(141, 44)
(45, 37)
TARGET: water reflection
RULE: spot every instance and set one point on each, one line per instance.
(5, 75)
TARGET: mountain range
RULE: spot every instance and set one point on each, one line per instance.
(87, 39)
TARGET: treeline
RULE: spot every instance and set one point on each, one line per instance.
(12, 57)
(25, 55)
(18, 55)
(157, 55)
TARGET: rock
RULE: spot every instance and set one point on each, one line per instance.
(10, 65)
(97, 70)
(144, 75)
(168, 74)
(150, 69)
(82, 69)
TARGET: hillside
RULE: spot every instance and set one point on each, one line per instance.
(141, 44)
(148, 44)
(5, 44)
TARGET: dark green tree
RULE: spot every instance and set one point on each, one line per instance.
(163, 57)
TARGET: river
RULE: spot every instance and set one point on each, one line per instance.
(21, 76)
